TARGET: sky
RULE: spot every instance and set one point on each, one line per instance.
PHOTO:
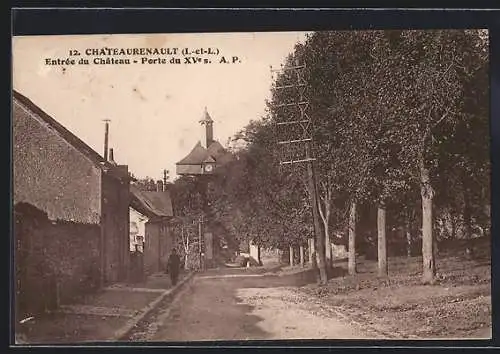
(154, 108)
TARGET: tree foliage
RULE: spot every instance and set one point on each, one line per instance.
(397, 116)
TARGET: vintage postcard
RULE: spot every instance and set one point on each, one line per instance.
(251, 186)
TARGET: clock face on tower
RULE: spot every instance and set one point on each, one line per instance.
(208, 168)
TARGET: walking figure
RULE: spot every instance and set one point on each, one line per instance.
(173, 266)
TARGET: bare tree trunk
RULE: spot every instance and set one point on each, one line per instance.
(291, 256)
(352, 239)
(301, 250)
(427, 194)
(320, 259)
(324, 213)
(185, 241)
(328, 246)
(320, 249)
(382, 241)
(408, 235)
(312, 254)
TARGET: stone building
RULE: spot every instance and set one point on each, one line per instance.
(159, 238)
(71, 212)
(202, 162)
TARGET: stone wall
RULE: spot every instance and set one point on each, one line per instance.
(74, 206)
(57, 200)
(158, 246)
(56, 261)
(152, 248)
(116, 226)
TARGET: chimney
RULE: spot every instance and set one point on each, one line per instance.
(111, 156)
(159, 186)
(106, 134)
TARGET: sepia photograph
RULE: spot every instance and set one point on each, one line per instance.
(242, 186)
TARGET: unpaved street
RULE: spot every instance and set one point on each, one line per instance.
(233, 307)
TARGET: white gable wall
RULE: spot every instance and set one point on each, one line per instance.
(137, 228)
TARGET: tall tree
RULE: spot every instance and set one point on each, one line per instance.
(339, 65)
(424, 93)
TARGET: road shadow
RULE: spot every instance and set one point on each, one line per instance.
(227, 269)
(209, 310)
(239, 319)
(215, 309)
(250, 324)
(229, 323)
(260, 277)
(266, 281)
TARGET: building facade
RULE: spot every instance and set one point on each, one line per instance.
(137, 230)
(203, 162)
(70, 212)
(159, 237)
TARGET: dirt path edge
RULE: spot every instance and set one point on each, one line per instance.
(125, 330)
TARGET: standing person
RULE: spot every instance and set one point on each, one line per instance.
(173, 265)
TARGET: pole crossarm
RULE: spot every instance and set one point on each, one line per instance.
(303, 103)
(294, 122)
(287, 68)
(290, 86)
(295, 141)
(297, 161)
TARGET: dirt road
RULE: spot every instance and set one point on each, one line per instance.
(246, 307)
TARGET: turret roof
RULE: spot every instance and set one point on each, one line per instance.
(206, 117)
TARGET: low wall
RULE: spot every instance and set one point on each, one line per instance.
(55, 261)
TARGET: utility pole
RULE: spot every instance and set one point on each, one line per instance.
(106, 135)
(102, 246)
(295, 137)
(204, 220)
(200, 238)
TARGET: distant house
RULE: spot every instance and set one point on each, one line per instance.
(159, 237)
(137, 230)
(204, 160)
(71, 212)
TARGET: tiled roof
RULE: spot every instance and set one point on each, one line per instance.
(151, 204)
(65, 134)
(209, 159)
(215, 149)
(214, 153)
(196, 156)
(60, 129)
